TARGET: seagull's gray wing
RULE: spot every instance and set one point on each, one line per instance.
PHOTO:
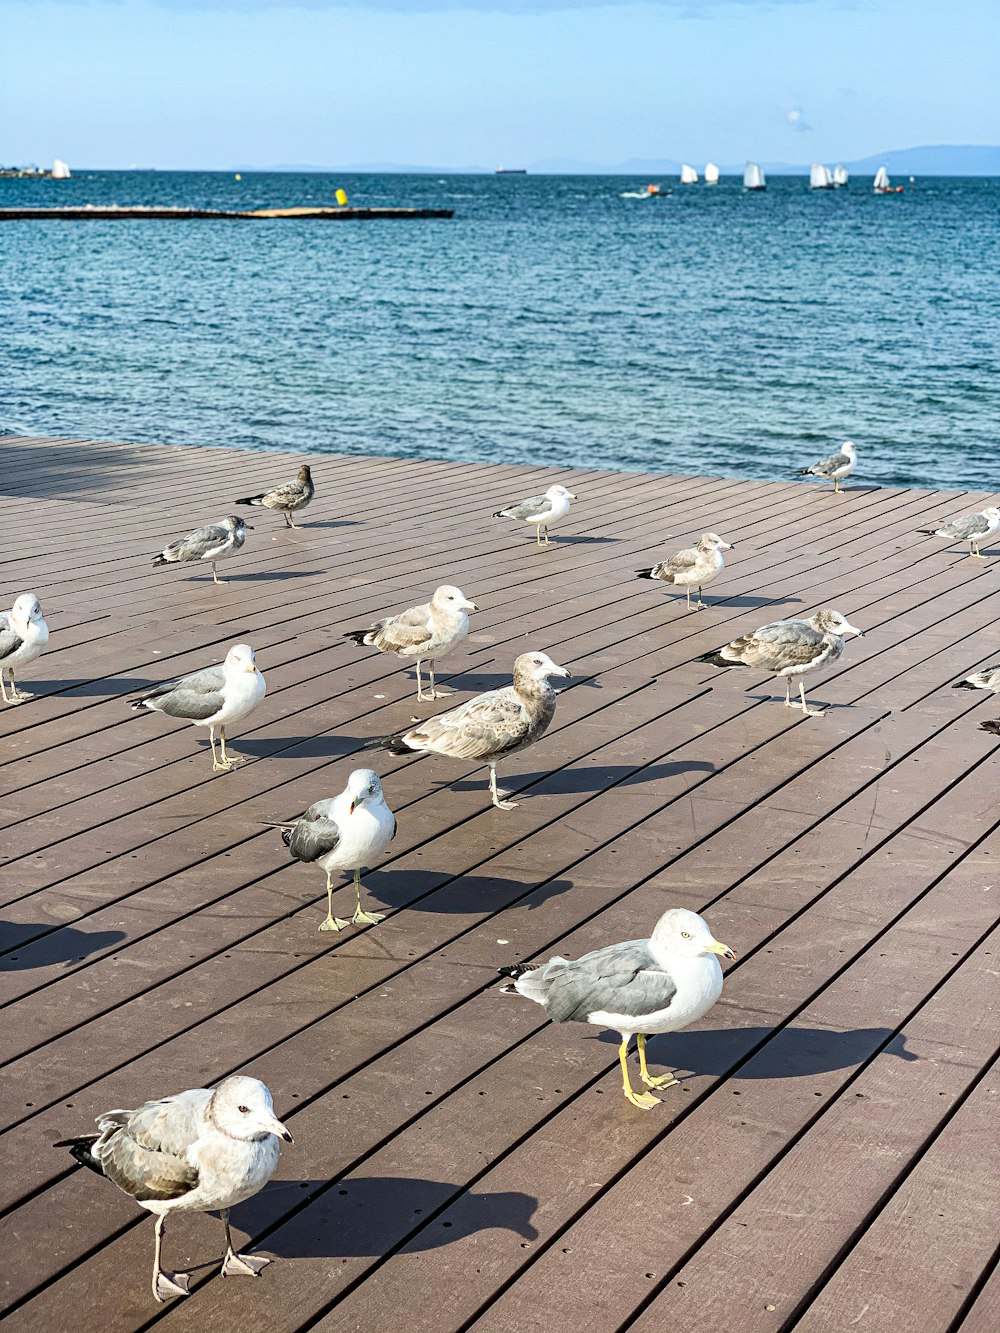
(196, 545)
(10, 640)
(538, 504)
(622, 979)
(785, 643)
(826, 467)
(315, 833)
(288, 494)
(482, 728)
(679, 563)
(969, 525)
(193, 697)
(144, 1152)
(405, 633)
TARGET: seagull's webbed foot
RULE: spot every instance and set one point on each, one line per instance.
(167, 1286)
(242, 1265)
(501, 800)
(644, 1100)
(663, 1081)
(813, 712)
(20, 696)
(222, 765)
(334, 923)
(701, 606)
(363, 918)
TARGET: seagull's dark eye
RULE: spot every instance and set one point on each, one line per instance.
(371, 791)
(685, 934)
(243, 1110)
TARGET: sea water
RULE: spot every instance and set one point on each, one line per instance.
(553, 320)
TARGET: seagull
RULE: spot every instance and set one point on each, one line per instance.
(200, 1151)
(696, 567)
(23, 636)
(541, 511)
(789, 648)
(212, 698)
(288, 499)
(212, 542)
(425, 632)
(836, 467)
(490, 726)
(638, 988)
(987, 679)
(971, 528)
(344, 833)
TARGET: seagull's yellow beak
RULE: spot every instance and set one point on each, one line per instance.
(250, 666)
(722, 949)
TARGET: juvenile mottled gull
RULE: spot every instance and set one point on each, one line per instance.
(972, 528)
(490, 726)
(344, 833)
(23, 636)
(695, 567)
(425, 632)
(212, 698)
(788, 648)
(986, 679)
(638, 989)
(541, 511)
(200, 1151)
(213, 542)
(836, 467)
(287, 499)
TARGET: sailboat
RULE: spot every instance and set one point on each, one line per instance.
(820, 177)
(688, 175)
(881, 183)
(840, 176)
(711, 174)
(753, 177)
(60, 171)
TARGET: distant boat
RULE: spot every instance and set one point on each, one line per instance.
(511, 171)
(820, 177)
(60, 171)
(688, 175)
(840, 176)
(711, 174)
(753, 177)
(882, 185)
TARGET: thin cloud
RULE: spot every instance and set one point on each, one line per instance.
(796, 118)
(684, 8)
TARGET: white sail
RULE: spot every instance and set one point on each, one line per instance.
(820, 177)
(753, 177)
(688, 175)
(840, 176)
(711, 174)
(60, 171)
(881, 179)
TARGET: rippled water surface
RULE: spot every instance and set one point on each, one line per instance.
(552, 320)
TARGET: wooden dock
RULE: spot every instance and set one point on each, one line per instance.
(147, 212)
(830, 1159)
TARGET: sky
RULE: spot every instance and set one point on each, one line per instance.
(214, 84)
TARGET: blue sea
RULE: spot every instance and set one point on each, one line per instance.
(553, 320)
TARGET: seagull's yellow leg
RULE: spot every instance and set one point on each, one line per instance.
(665, 1081)
(836, 485)
(809, 712)
(976, 555)
(644, 1100)
(3, 689)
(229, 760)
(215, 575)
(332, 922)
(17, 696)
(218, 765)
(361, 918)
(500, 805)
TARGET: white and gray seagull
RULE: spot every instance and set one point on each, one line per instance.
(213, 542)
(695, 567)
(213, 698)
(492, 725)
(287, 499)
(972, 528)
(23, 637)
(200, 1151)
(344, 833)
(425, 633)
(541, 511)
(836, 467)
(788, 648)
(637, 989)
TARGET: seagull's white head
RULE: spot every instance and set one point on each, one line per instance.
(832, 622)
(27, 610)
(850, 449)
(559, 492)
(240, 658)
(714, 542)
(685, 934)
(537, 666)
(992, 514)
(450, 598)
(364, 788)
(239, 527)
(242, 1108)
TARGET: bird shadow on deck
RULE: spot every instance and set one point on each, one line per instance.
(328, 523)
(68, 945)
(479, 681)
(109, 686)
(579, 539)
(266, 576)
(350, 1217)
(750, 600)
(415, 889)
(593, 778)
(794, 1052)
(293, 747)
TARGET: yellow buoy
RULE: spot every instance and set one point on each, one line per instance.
(341, 198)
(238, 177)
